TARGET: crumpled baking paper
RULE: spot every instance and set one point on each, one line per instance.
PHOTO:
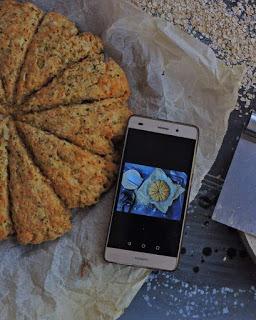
(172, 76)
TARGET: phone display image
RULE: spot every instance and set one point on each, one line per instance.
(152, 191)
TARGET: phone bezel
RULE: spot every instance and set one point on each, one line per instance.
(143, 259)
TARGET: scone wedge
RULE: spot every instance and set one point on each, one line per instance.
(6, 227)
(38, 214)
(55, 46)
(78, 176)
(90, 80)
(91, 126)
(18, 23)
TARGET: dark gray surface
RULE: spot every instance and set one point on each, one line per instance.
(216, 279)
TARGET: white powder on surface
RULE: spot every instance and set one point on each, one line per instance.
(193, 301)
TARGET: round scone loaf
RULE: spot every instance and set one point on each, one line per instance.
(159, 190)
(62, 108)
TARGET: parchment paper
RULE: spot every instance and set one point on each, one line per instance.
(172, 76)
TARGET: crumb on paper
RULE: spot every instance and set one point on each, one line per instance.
(84, 268)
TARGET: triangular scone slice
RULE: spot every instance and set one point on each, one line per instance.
(90, 126)
(54, 46)
(6, 227)
(78, 176)
(18, 23)
(86, 80)
(37, 212)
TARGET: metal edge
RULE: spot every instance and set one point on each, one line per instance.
(248, 246)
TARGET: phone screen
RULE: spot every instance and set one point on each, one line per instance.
(152, 192)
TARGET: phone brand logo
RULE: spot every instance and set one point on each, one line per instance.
(140, 258)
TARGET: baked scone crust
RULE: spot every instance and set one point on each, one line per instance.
(3, 111)
(37, 212)
(2, 93)
(18, 23)
(6, 227)
(63, 107)
(55, 46)
(78, 176)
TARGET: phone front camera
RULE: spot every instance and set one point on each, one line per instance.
(177, 130)
(140, 124)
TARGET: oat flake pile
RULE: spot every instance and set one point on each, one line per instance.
(228, 27)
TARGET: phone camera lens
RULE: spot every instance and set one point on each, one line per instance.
(140, 124)
(177, 130)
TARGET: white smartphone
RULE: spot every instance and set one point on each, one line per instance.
(152, 194)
